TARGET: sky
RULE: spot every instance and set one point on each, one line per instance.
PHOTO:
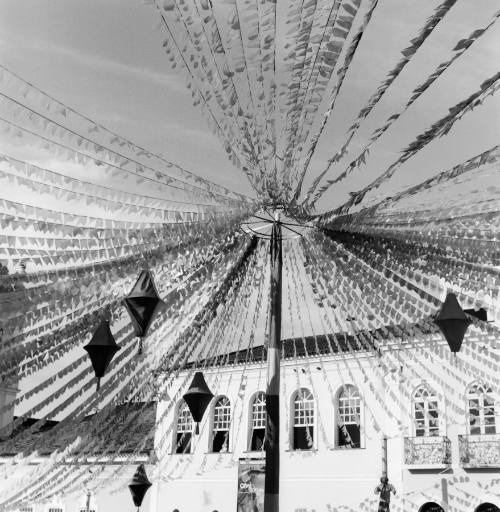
(105, 58)
(473, 134)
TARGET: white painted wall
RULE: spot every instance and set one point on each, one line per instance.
(327, 477)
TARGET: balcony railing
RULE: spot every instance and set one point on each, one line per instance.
(427, 452)
(480, 451)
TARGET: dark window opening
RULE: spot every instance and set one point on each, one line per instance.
(221, 441)
(183, 444)
(257, 441)
(303, 438)
(349, 436)
(303, 420)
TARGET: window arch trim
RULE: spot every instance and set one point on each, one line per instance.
(221, 418)
(256, 422)
(426, 413)
(349, 417)
(184, 427)
(302, 420)
(481, 409)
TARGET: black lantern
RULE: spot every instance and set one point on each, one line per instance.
(101, 349)
(142, 303)
(139, 485)
(453, 322)
(198, 397)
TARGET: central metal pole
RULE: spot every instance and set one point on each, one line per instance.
(272, 445)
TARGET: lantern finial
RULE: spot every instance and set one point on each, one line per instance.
(139, 485)
(197, 398)
(101, 349)
(453, 322)
(142, 303)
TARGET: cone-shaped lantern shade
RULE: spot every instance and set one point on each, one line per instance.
(139, 485)
(101, 349)
(453, 322)
(198, 397)
(142, 303)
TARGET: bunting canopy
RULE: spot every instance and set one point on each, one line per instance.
(385, 221)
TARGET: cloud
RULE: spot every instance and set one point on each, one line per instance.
(94, 62)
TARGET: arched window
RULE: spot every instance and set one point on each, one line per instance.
(481, 410)
(184, 431)
(487, 507)
(257, 422)
(349, 417)
(303, 420)
(221, 424)
(431, 507)
(425, 412)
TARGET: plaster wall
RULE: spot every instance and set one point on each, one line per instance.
(327, 478)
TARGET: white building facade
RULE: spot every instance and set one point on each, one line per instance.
(440, 427)
(428, 418)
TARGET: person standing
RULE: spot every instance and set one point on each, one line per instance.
(384, 488)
